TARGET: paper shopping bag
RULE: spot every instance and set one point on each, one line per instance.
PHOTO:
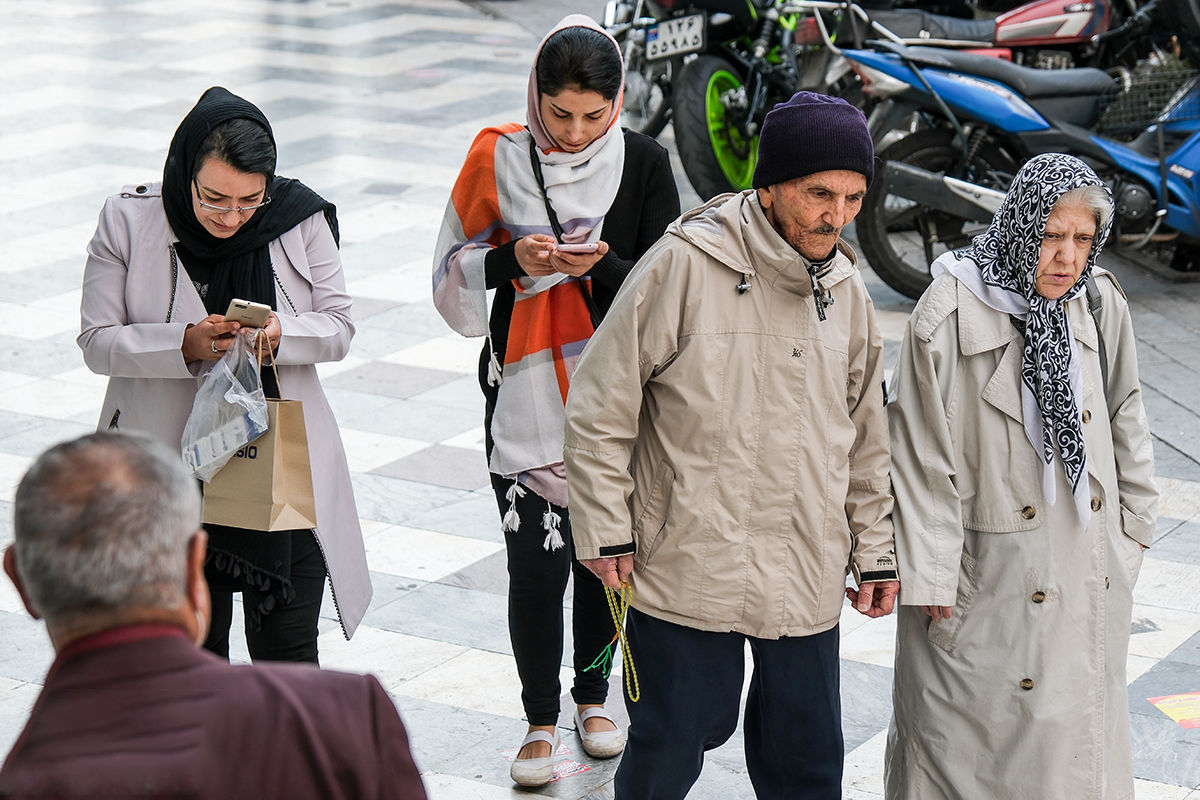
(267, 485)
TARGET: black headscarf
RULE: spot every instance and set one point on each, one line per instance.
(239, 266)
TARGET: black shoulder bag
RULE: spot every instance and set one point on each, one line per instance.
(593, 310)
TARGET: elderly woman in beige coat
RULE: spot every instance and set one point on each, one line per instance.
(1023, 478)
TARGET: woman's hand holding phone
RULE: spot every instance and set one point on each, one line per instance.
(533, 254)
(577, 259)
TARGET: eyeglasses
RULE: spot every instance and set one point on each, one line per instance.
(226, 209)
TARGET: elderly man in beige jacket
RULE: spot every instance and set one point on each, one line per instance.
(727, 455)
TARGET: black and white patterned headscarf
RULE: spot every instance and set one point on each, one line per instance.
(1000, 268)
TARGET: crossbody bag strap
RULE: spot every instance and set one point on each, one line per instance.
(1095, 302)
(589, 301)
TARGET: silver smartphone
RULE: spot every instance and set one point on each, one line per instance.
(247, 314)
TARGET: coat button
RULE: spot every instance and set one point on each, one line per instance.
(141, 189)
(1027, 683)
(1028, 512)
(1087, 415)
(1096, 504)
(1039, 597)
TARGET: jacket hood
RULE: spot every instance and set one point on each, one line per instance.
(733, 229)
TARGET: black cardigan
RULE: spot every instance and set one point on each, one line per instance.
(646, 202)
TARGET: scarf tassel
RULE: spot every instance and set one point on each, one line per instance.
(550, 522)
(495, 375)
(512, 520)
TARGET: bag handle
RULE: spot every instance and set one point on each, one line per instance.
(259, 337)
(556, 226)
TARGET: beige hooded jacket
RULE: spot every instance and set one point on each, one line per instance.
(733, 439)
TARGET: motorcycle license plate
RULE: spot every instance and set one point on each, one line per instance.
(675, 37)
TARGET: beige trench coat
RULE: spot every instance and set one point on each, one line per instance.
(1021, 693)
(736, 440)
(134, 313)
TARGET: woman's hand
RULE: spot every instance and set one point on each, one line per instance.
(938, 613)
(274, 331)
(577, 264)
(208, 339)
(533, 254)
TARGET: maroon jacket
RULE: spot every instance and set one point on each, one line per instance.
(141, 712)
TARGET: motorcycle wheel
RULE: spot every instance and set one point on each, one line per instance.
(716, 156)
(646, 106)
(900, 238)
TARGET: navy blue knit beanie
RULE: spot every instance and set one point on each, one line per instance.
(812, 133)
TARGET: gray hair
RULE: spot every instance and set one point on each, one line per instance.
(1094, 198)
(102, 523)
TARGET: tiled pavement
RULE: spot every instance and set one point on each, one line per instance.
(374, 103)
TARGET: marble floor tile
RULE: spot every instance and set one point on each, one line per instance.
(1149, 790)
(12, 469)
(28, 322)
(475, 515)
(864, 768)
(393, 658)
(452, 352)
(478, 621)
(417, 419)
(476, 680)
(16, 700)
(424, 555)
(51, 398)
(1180, 543)
(486, 575)
(463, 393)
(1178, 499)
(396, 501)
(367, 451)
(1158, 631)
(441, 465)
(390, 380)
(1137, 666)
(327, 369)
(449, 787)
(1167, 584)
(873, 643)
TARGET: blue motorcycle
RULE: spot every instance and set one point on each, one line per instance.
(973, 120)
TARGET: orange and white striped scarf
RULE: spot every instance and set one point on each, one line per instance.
(495, 200)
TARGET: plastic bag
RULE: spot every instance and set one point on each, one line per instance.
(229, 412)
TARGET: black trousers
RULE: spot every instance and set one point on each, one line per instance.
(691, 685)
(537, 583)
(289, 631)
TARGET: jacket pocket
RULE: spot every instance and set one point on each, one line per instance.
(650, 522)
(944, 633)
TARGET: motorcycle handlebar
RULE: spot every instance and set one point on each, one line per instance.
(1141, 20)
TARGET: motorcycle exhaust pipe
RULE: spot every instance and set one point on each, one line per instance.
(949, 195)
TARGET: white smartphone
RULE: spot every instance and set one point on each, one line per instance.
(247, 314)
(584, 247)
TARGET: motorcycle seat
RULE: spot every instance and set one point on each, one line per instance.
(1032, 84)
(912, 23)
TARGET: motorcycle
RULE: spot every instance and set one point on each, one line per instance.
(941, 183)
(717, 67)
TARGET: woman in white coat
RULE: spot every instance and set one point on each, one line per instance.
(162, 267)
(1023, 476)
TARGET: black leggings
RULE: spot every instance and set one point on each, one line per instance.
(537, 582)
(289, 631)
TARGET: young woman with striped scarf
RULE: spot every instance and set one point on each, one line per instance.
(571, 176)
